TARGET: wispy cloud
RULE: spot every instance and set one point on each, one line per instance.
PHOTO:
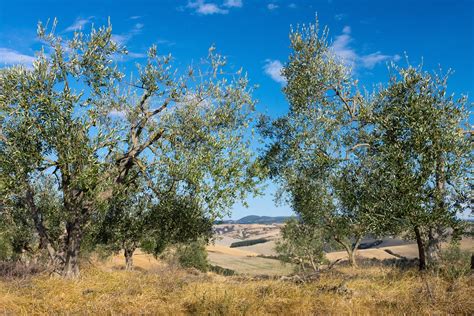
(136, 55)
(292, 5)
(164, 42)
(11, 57)
(116, 114)
(122, 39)
(206, 8)
(272, 6)
(233, 3)
(342, 48)
(78, 24)
(203, 7)
(135, 17)
(273, 69)
(340, 16)
(128, 56)
(371, 60)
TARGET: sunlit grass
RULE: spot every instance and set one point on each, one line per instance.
(367, 290)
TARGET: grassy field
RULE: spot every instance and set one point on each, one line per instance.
(159, 289)
(246, 262)
(245, 259)
(155, 287)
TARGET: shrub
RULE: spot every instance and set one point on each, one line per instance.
(302, 245)
(193, 255)
(222, 271)
(454, 263)
(6, 250)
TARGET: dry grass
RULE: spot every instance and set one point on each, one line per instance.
(230, 251)
(245, 262)
(164, 290)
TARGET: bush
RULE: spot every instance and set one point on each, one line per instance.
(302, 245)
(193, 255)
(454, 263)
(6, 249)
(250, 242)
(222, 271)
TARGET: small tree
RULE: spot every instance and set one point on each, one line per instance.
(323, 133)
(425, 157)
(301, 244)
(142, 222)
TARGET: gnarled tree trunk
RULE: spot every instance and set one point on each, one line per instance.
(433, 247)
(128, 251)
(73, 245)
(45, 242)
(350, 249)
(435, 234)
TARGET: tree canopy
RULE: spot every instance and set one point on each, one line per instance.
(76, 118)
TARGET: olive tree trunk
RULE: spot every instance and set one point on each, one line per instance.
(351, 249)
(421, 249)
(435, 234)
(433, 247)
(73, 245)
(128, 250)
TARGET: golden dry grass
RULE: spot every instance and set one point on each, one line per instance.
(220, 249)
(245, 262)
(164, 290)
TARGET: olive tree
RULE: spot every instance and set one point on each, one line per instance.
(323, 134)
(140, 220)
(424, 149)
(301, 244)
(76, 116)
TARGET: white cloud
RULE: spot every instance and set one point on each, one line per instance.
(78, 24)
(204, 8)
(12, 57)
(127, 57)
(371, 60)
(340, 16)
(273, 69)
(233, 3)
(272, 6)
(292, 5)
(122, 39)
(136, 55)
(342, 48)
(117, 114)
(164, 42)
(135, 17)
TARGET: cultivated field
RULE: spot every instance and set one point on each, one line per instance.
(246, 259)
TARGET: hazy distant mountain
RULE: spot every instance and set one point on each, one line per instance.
(255, 219)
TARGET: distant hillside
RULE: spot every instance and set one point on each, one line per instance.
(255, 219)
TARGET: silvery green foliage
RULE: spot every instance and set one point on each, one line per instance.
(423, 145)
(302, 245)
(137, 219)
(323, 133)
(74, 114)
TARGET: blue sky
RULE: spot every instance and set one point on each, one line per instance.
(254, 34)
